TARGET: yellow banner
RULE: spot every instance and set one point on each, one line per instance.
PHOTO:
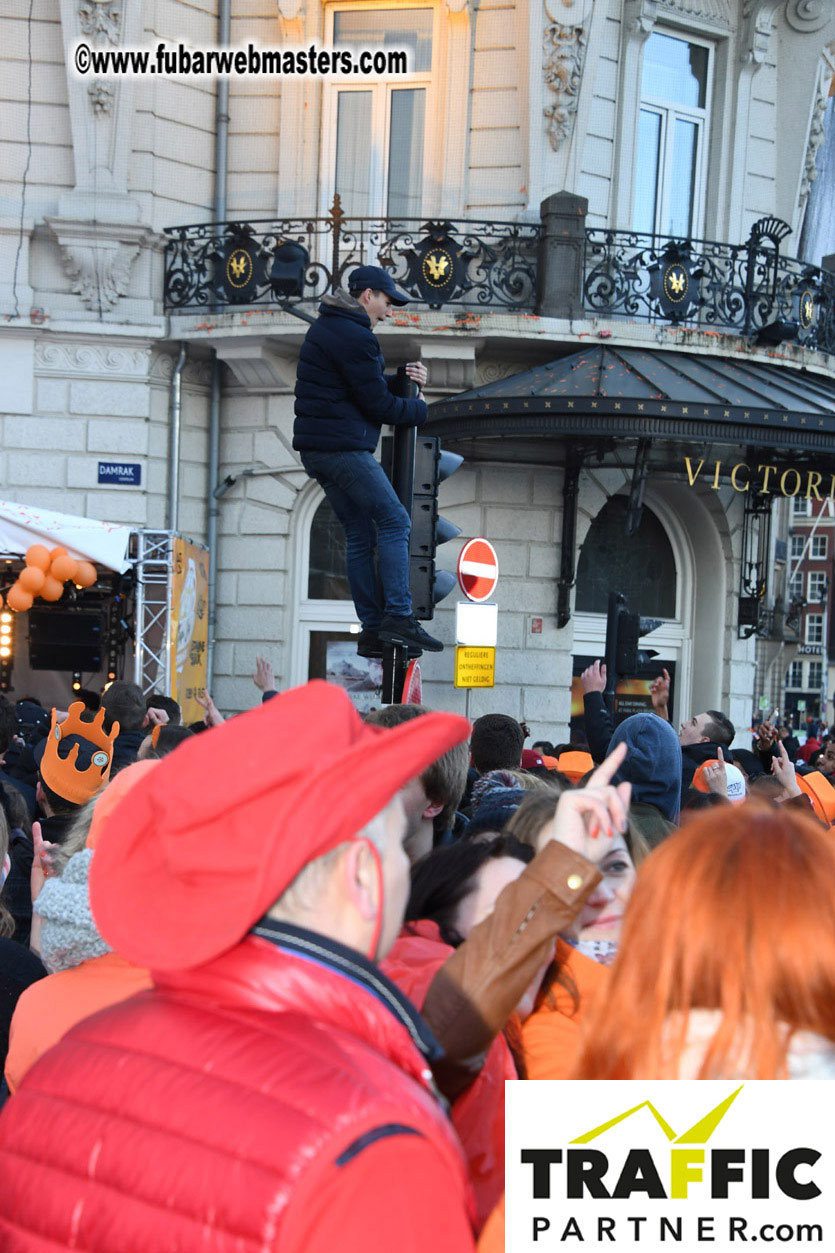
(475, 667)
(189, 629)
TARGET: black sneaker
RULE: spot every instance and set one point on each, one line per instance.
(369, 644)
(408, 631)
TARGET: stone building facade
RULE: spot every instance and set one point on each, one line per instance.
(509, 104)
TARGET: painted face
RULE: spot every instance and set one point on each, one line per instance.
(602, 915)
(693, 731)
(378, 306)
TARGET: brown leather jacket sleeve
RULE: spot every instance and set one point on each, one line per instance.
(479, 986)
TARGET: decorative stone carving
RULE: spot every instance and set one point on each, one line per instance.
(758, 24)
(565, 56)
(716, 11)
(816, 134)
(98, 257)
(495, 371)
(90, 359)
(807, 16)
(101, 96)
(639, 17)
(100, 19)
(99, 277)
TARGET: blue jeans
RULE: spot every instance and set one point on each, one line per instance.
(374, 521)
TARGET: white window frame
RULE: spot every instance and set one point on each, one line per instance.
(814, 628)
(797, 546)
(794, 676)
(821, 543)
(816, 578)
(801, 507)
(381, 89)
(669, 110)
(796, 587)
(311, 615)
(814, 681)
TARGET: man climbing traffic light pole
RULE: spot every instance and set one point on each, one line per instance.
(343, 398)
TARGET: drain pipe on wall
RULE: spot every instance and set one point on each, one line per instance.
(213, 468)
(175, 421)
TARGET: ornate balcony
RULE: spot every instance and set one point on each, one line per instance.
(745, 289)
(555, 269)
(488, 265)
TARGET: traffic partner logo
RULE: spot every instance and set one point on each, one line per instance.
(588, 1172)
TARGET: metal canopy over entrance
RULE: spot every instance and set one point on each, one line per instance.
(657, 412)
(631, 393)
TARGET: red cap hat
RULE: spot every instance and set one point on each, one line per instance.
(530, 757)
(206, 842)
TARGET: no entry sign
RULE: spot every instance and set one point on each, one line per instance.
(478, 570)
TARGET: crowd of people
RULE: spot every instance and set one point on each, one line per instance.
(263, 978)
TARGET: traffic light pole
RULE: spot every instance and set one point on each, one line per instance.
(396, 656)
(616, 599)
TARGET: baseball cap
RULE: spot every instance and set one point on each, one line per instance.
(378, 279)
(734, 776)
(206, 842)
(574, 764)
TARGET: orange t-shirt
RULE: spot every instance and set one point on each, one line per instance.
(61, 1000)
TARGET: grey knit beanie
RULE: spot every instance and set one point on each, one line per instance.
(68, 933)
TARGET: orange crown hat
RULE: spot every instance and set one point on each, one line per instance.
(200, 849)
(113, 794)
(821, 793)
(61, 774)
(574, 764)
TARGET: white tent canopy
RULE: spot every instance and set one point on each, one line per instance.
(105, 543)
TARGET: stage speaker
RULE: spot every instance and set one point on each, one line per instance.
(61, 640)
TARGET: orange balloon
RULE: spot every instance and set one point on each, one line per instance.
(19, 599)
(86, 574)
(57, 552)
(38, 556)
(31, 579)
(52, 589)
(63, 567)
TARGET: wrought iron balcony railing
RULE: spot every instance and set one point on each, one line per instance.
(298, 260)
(745, 289)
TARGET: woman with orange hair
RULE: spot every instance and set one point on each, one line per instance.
(727, 960)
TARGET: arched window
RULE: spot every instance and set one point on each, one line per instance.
(326, 565)
(641, 566)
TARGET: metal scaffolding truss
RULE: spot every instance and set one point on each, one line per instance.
(152, 659)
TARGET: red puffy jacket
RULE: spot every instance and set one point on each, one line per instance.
(478, 1114)
(274, 1098)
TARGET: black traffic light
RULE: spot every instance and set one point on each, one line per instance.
(623, 631)
(416, 466)
(431, 466)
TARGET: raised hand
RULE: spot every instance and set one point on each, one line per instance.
(588, 819)
(593, 678)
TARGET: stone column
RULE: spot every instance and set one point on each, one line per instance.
(561, 256)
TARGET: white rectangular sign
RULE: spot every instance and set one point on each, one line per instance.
(476, 625)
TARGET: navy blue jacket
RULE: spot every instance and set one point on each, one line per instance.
(343, 397)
